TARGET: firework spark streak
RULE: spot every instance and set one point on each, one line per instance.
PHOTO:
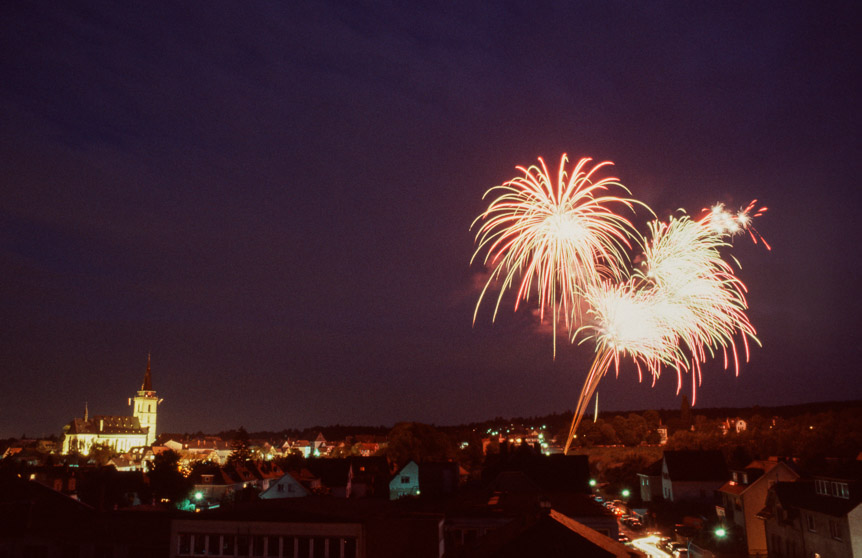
(681, 306)
(559, 236)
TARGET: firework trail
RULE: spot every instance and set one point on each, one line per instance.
(556, 235)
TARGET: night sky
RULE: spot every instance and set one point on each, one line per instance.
(275, 199)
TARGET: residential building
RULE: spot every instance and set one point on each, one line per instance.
(405, 482)
(650, 482)
(693, 475)
(820, 516)
(745, 495)
(309, 528)
(285, 487)
(427, 478)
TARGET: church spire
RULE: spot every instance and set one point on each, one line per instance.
(148, 380)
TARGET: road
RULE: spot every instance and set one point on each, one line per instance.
(648, 545)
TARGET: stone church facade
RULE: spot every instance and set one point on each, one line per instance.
(120, 433)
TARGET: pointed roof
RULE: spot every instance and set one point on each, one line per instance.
(148, 380)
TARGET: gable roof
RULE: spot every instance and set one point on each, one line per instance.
(755, 470)
(653, 470)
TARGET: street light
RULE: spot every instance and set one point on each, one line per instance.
(626, 493)
(593, 483)
(720, 532)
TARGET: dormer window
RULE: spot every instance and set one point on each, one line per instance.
(821, 487)
(841, 490)
(836, 489)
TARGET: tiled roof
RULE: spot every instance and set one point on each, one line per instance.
(106, 424)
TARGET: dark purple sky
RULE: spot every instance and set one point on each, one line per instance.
(275, 199)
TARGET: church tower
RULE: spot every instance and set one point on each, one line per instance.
(145, 406)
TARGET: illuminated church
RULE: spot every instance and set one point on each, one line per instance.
(119, 433)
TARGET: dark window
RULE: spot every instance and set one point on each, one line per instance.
(834, 530)
(405, 480)
(349, 548)
(184, 544)
(287, 547)
(200, 544)
(811, 525)
(242, 545)
(257, 545)
(334, 547)
(272, 543)
(319, 547)
(228, 545)
(213, 546)
(304, 545)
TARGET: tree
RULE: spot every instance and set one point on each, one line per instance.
(685, 412)
(652, 418)
(625, 474)
(100, 454)
(418, 442)
(239, 447)
(166, 480)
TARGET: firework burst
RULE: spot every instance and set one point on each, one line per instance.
(682, 306)
(561, 238)
(555, 235)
